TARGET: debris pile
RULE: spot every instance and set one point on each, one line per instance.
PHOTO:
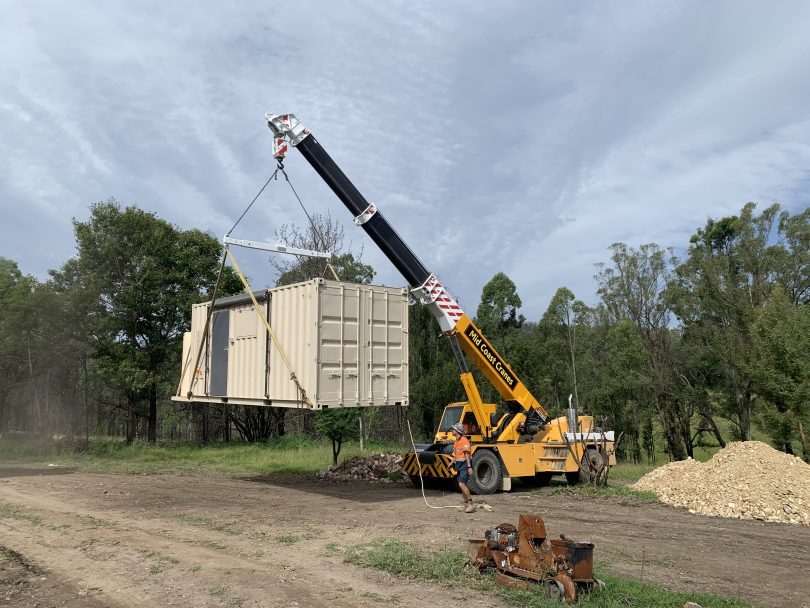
(744, 480)
(377, 467)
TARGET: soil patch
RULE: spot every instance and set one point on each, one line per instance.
(202, 539)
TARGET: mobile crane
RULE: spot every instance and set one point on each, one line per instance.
(524, 442)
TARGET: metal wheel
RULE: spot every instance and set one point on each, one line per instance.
(569, 588)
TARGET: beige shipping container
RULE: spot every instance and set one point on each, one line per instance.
(346, 343)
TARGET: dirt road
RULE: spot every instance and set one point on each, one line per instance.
(74, 539)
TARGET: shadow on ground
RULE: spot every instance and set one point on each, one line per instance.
(35, 470)
(357, 490)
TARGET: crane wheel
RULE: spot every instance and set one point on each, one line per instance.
(487, 476)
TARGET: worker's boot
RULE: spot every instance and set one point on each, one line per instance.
(469, 507)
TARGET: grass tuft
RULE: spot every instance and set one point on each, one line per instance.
(287, 539)
(407, 560)
(9, 512)
(588, 491)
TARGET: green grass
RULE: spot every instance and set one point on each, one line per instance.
(630, 472)
(23, 447)
(287, 539)
(95, 522)
(587, 491)
(205, 522)
(404, 559)
(407, 560)
(9, 512)
(210, 544)
(281, 456)
(331, 549)
(285, 455)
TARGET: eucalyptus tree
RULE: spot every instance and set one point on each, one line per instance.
(143, 275)
(559, 328)
(731, 267)
(635, 287)
(498, 318)
(17, 330)
(781, 368)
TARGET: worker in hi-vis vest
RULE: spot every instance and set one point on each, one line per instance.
(463, 464)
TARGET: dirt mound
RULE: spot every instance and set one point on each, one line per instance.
(745, 480)
(377, 467)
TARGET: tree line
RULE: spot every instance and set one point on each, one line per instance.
(676, 352)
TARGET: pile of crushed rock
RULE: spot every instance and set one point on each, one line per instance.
(744, 480)
(377, 467)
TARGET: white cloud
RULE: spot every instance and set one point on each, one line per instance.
(525, 139)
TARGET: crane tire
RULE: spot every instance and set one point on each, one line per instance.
(487, 476)
(596, 457)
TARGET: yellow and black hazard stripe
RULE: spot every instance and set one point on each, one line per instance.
(442, 466)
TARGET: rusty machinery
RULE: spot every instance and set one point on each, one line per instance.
(523, 556)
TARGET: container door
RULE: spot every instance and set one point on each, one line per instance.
(339, 312)
(220, 336)
(364, 349)
(246, 371)
(385, 347)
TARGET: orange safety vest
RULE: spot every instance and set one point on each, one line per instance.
(461, 445)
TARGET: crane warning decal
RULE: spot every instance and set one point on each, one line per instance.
(490, 356)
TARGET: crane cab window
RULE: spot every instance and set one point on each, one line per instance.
(452, 414)
(470, 424)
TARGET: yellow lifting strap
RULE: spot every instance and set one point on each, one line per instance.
(332, 268)
(280, 350)
(204, 336)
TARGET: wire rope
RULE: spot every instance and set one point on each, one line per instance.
(255, 198)
(315, 231)
(421, 480)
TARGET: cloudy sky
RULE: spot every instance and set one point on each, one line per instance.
(523, 137)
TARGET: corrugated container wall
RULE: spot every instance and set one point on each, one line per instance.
(346, 343)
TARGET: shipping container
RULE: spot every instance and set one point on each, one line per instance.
(346, 343)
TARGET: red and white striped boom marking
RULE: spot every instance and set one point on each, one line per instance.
(443, 306)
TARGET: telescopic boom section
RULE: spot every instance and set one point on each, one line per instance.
(288, 130)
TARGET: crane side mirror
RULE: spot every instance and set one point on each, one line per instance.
(493, 419)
